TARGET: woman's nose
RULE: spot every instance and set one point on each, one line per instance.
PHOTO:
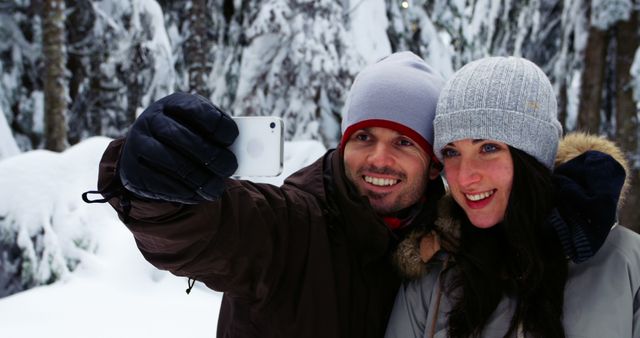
(468, 171)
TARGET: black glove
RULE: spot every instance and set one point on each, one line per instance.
(177, 150)
(588, 188)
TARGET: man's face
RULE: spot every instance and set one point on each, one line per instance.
(387, 167)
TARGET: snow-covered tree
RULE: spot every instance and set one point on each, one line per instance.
(138, 66)
(21, 96)
(197, 47)
(8, 146)
(297, 65)
(119, 60)
(84, 57)
(296, 58)
(412, 26)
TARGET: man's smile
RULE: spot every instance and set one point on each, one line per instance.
(380, 182)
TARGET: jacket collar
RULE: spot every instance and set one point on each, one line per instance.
(362, 226)
(347, 212)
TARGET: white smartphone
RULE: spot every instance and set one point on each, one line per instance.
(259, 147)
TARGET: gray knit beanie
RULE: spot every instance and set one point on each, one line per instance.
(506, 99)
(399, 92)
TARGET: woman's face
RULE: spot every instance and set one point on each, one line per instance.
(480, 175)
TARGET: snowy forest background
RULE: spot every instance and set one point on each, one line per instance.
(71, 70)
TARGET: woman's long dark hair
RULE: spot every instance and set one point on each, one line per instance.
(519, 257)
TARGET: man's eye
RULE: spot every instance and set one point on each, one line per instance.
(405, 142)
(362, 137)
(449, 152)
(490, 148)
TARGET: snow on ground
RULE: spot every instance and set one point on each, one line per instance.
(114, 292)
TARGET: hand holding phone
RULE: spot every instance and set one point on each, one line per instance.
(259, 147)
(178, 150)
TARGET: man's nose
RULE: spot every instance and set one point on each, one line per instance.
(382, 155)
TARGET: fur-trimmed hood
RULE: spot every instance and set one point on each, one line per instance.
(576, 144)
(446, 231)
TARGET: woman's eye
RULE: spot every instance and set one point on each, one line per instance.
(448, 153)
(490, 148)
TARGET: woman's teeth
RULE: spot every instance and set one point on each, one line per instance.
(480, 196)
(382, 182)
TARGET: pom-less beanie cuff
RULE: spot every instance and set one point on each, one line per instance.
(506, 99)
(536, 137)
(399, 92)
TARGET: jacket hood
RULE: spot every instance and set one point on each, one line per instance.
(447, 229)
(576, 144)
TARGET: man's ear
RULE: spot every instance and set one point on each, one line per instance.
(434, 169)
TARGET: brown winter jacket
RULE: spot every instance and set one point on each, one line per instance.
(299, 260)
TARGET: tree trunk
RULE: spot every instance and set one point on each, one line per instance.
(563, 105)
(628, 40)
(592, 81)
(197, 47)
(80, 46)
(135, 83)
(54, 82)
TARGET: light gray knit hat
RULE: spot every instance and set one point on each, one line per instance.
(399, 92)
(506, 99)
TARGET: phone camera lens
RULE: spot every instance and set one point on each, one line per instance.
(272, 125)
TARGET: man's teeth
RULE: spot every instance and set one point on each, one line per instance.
(480, 196)
(383, 182)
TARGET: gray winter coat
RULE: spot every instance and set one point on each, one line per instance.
(602, 297)
(602, 294)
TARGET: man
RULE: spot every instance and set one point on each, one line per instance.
(310, 258)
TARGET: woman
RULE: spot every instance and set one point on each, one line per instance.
(526, 246)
